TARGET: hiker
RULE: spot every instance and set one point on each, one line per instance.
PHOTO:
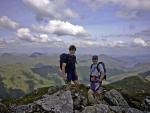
(97, 75)
(68, 66)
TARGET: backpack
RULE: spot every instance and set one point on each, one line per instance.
(97, 67)
(63, 58)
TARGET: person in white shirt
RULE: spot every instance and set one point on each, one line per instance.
(96, 77)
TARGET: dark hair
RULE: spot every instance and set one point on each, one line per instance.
(72, 47)
(95, 57)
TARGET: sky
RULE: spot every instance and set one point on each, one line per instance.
(115, 27)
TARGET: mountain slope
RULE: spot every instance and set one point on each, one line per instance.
(134, 89)
(21, 77)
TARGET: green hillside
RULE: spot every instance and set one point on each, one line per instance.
(20, 76)
(133, 88)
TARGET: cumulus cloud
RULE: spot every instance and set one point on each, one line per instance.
(54, 9)
(127, 9)
(25, 34)
(7, 23)
(141, 42)
(61, 28)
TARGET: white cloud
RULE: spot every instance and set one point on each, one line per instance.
(7, 23)
(141, 42)
(127, 9)
(54, 9)
(26, 35)
(61, 28)
(99, 43)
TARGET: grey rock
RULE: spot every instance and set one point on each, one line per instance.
(146, 104)
(25, 108)
(102, 108)
(3, 108)
(79, 100)
(119, 109)
(115, 98)
(60, 102)
(98, 108)
(147, 101)
(76, 111)
(89, 109)
(133, 110)
(21, 109)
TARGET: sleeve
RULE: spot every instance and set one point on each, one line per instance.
(90, 70)
(101, 68)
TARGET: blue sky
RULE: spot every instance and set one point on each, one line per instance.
(99, 26)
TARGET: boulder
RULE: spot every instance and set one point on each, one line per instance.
(59, 102)
(79, 100)
(98, 108)
(119, 109)
(30, 108)
(114, 98)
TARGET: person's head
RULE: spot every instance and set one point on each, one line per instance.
(95, 59)
(72, 49)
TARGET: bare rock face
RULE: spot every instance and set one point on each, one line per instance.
(146, 103)
(115, 98)
(98, 108)
(119, 109)
(60, 102)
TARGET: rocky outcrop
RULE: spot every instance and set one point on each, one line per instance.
(119, 109)
(79, 100)
(99, 108)
(75, 101)
(115, 98)
(30, 108)
(60, 102)
(146, 103)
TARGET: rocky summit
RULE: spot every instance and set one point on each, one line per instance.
(71, 100)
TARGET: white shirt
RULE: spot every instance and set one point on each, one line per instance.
(94, 70)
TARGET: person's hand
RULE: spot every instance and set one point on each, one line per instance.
(100, 82)
(92, 79)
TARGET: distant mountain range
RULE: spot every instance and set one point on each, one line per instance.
(36, 54)
(24, 73)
